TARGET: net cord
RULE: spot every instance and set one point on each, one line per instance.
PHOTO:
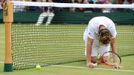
(69, 5)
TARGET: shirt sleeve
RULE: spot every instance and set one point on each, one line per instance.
(91, 33)
(113, 30)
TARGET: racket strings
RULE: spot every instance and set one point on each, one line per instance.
(111, 59)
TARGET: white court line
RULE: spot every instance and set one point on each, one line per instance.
(105, 69)
(76, 67)
(1, 62)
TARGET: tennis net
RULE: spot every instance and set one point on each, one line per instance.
(62, 40)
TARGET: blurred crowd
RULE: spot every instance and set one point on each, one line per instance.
(104, 10)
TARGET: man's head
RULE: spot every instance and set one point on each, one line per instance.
(104, 35)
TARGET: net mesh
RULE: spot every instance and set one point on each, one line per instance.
(46, 45)
(60, 42)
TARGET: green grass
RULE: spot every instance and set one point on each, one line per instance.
(125, 41)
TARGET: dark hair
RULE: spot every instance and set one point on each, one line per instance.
(105, 36)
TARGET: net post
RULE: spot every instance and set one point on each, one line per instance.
(8, 19)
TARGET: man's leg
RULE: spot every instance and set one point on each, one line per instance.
(50, 17)
(41, 18)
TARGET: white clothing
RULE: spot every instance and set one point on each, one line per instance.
(92, 32)
(43, 15)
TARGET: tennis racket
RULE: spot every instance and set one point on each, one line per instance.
(111, 59)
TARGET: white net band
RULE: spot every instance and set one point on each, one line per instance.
(68, 5)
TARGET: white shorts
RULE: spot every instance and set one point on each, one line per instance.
(96, 48)
(100, 50)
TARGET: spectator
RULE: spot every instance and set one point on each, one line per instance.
(106, 10)
(90, 2)
(61, 9)
(113, 1)
(101, 1)
(124, 1)
(47, 12)
(62, 1)
(33, 8)
(19, 8)
(58, 1)
(80, 2)
(97, 9)
(27, 0)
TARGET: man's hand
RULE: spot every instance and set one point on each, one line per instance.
(91, 65)
(116, 66)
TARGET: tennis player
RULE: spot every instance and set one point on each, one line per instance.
(99, 36)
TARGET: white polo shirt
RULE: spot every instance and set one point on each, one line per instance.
(93, 27)
(92, 32)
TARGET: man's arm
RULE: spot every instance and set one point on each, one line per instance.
(88, 53)
(113, 45)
